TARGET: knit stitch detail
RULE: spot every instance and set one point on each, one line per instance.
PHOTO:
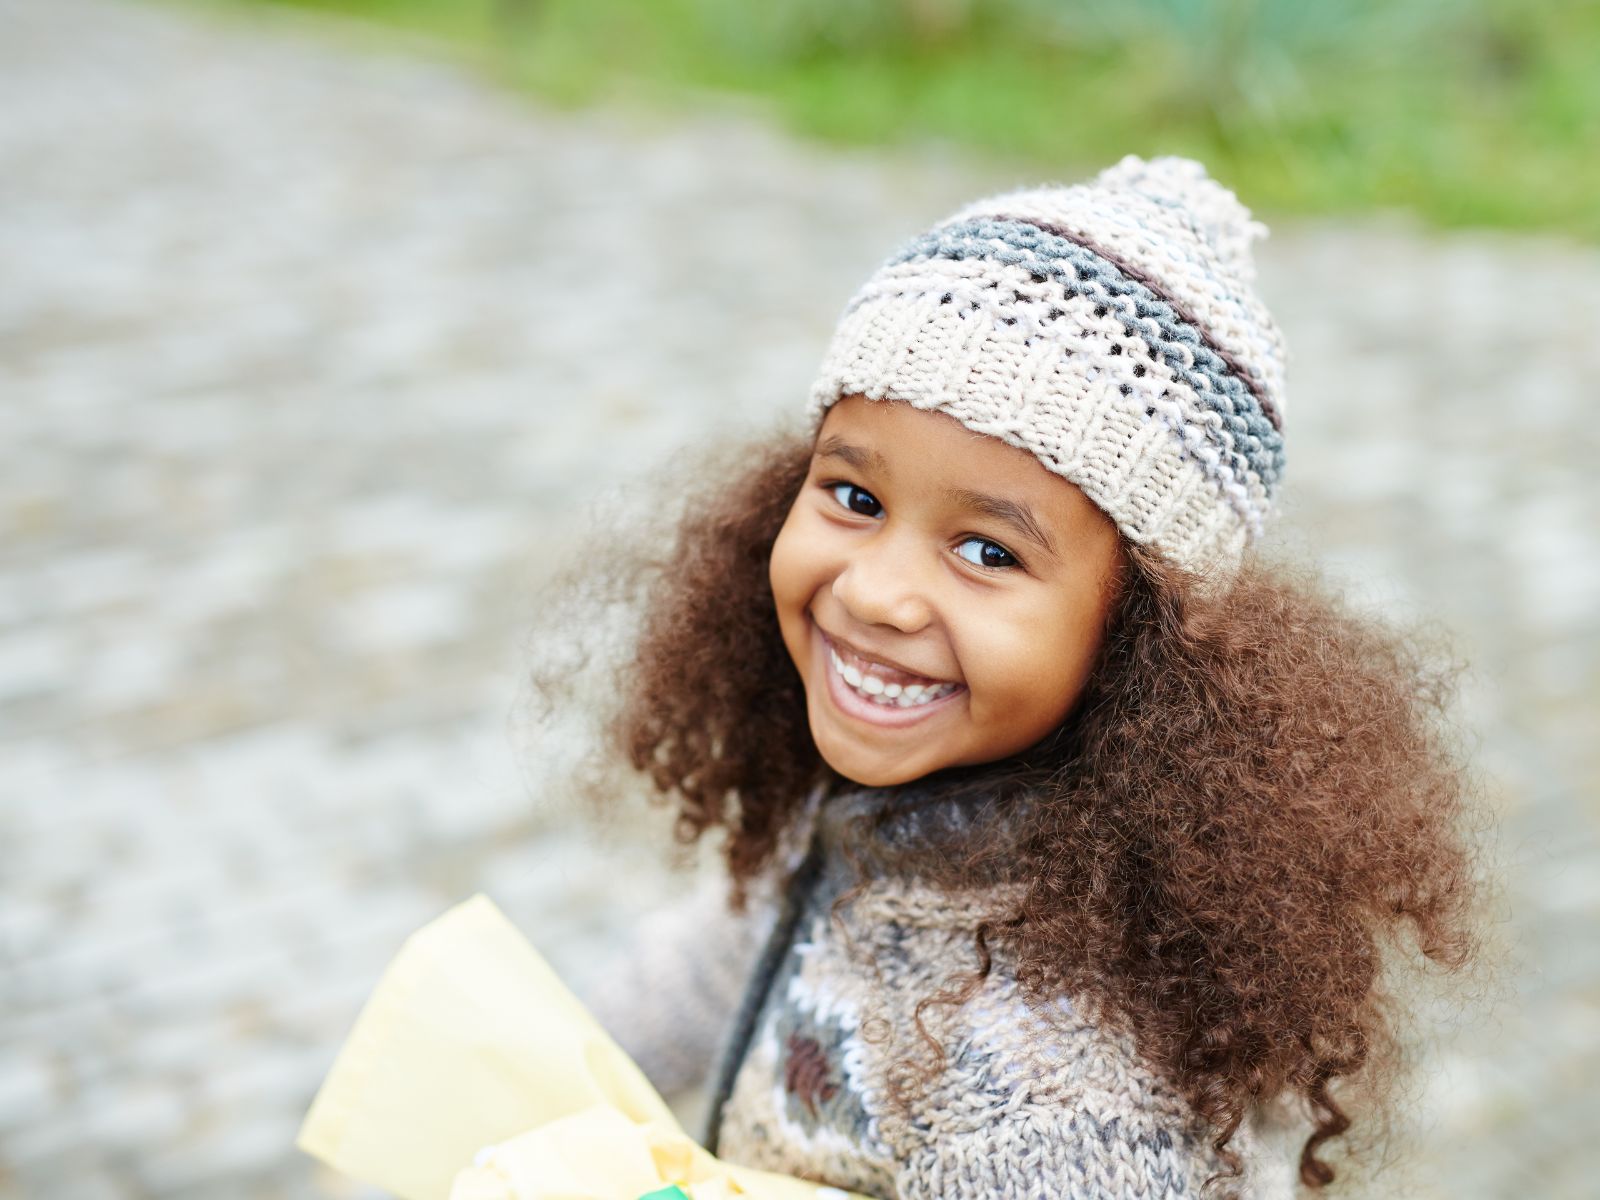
(1211, 210)
(1033, 1099)
(1165, 242)
(1128, 270)
(1247, 432)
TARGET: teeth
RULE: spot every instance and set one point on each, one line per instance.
(890, 695)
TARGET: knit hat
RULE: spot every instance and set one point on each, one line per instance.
(1111, 330)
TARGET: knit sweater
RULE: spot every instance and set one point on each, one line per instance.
(1029, 1100)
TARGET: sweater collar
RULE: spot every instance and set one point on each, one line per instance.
(925, 828)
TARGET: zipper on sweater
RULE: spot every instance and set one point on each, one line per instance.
(796, 893)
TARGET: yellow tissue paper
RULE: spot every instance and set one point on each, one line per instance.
(474, 1074)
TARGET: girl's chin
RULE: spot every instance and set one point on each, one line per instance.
(872, 774)
(886, 760)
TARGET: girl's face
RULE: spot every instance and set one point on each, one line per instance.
(941, 594)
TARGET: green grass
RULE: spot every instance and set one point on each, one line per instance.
(1469, 112)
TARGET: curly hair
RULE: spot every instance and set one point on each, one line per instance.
(1254, 797)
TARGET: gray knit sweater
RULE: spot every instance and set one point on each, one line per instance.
(1029, 1101)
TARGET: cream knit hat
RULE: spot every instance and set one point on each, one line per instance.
(1110, 329)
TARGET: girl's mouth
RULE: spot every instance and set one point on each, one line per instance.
(879, 694)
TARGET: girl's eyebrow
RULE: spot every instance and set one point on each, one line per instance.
(834, 446)
(1017, 515)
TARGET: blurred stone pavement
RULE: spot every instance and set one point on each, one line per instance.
(311, 357)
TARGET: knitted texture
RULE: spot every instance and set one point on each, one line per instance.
(1111, 330)
(1031, 1101)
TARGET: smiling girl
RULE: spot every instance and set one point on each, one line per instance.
(915, 661)
(1072, 845)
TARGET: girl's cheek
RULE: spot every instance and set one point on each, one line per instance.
(786, 568)
(801, 548)
(778, 560)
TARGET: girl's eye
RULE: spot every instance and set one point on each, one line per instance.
(989, 554)
(857, 500)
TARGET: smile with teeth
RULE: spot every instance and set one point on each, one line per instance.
(884, 685)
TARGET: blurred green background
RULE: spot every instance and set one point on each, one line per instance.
(1468, 112)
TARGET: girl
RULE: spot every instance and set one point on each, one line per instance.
(1083, 837)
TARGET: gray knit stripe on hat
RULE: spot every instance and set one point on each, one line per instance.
(1111, 330)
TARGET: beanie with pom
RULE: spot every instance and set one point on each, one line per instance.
(1111, 330)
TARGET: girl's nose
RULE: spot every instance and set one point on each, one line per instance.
(881, 584)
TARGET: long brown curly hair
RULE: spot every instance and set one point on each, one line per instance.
(1255, 796)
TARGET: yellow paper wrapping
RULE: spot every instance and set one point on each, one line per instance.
(473, 1067)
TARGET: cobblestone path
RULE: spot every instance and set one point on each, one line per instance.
(310, 359)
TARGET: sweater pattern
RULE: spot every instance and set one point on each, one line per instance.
(834, 1081)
